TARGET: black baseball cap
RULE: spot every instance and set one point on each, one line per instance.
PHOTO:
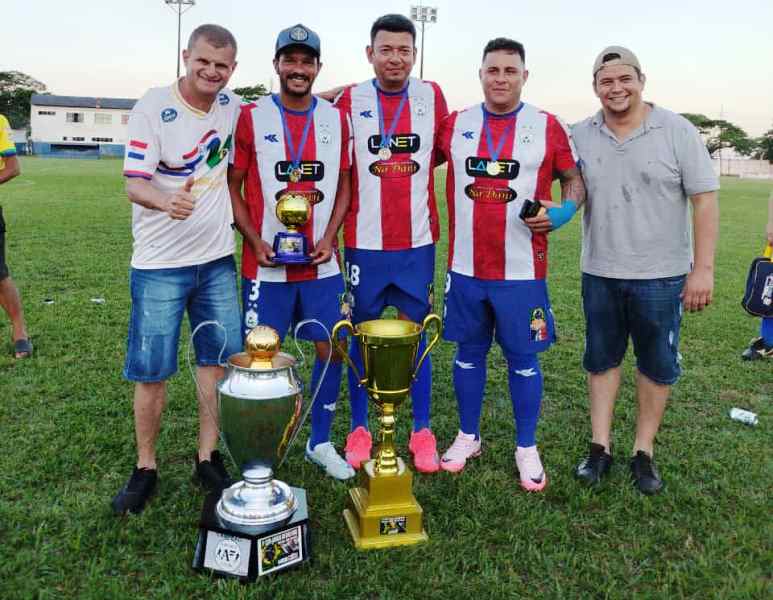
(297, 35)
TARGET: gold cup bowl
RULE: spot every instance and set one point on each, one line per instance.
(293, 211)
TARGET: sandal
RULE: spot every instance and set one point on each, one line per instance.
(22, 348)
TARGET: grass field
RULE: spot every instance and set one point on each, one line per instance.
(67, 444)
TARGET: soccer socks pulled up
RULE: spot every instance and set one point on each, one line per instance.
(358, 397)
(766, 330)
(323, 411)
(469, 384)
(525, 379)
(421, 390)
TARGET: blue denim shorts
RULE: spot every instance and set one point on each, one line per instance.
(159, 299)
(647, 310)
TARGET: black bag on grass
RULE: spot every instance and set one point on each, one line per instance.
(758, 299)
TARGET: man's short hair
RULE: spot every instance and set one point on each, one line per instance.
(216, 35)
(394, 24)
(501, 44)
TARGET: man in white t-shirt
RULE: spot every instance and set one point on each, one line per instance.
(175, 168)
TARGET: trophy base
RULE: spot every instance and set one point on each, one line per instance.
(290, 248)
(222, 552)
(384, 513)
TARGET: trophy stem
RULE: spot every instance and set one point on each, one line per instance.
(386, 457)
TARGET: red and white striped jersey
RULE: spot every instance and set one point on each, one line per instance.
(487, 239)
(393, 201)
(262, 150)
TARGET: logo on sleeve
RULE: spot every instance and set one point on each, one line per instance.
(168, 115)
(223, 99)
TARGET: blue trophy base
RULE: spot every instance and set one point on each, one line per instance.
(290, 247)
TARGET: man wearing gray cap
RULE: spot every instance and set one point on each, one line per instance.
(295, 144)
(641, 266)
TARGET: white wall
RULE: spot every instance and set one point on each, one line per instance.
(55, 128)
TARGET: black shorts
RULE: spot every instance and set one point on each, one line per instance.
(3, 266)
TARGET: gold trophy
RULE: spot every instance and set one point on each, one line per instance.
(383, 511)
(291, 246)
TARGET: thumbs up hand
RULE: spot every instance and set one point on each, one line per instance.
(179, 204)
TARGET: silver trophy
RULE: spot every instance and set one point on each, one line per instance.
(260, 524)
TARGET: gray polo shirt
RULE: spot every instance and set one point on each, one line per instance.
(636, 222)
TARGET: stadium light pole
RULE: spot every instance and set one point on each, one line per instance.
(179, 6)
(423, 14)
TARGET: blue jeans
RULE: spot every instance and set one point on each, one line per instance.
(647, 310)
(159, 299)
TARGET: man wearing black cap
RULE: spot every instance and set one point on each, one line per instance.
(641, 163)
(303, 145)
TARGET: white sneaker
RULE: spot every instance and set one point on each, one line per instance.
(532, 473)
(325, 456)
(465, 446)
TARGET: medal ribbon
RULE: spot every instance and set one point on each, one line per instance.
(494, 154)
(386, 139)
(295, 157)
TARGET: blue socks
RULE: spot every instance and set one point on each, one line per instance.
(525, 379)
(358, 397)
(766, 330)
(323, 411)
(469, 374)
(421, 390)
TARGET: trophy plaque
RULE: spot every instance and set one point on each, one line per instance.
(383, 511)
(258, 525)
(291, 246)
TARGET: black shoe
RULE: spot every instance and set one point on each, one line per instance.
(757, 349)
(211, 474)
(594, 466)
(138, 490)
(644, 474)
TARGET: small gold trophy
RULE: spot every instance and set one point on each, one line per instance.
(291, 246)
(383, 511)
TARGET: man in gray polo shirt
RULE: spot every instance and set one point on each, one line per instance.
(640, 163)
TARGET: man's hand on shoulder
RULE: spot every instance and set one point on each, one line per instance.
(179, 204)
(698, 289)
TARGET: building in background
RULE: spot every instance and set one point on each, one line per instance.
(79, 127)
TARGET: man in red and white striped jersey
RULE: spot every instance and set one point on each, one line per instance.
(392, 224)
(502, 154)
(295, 143)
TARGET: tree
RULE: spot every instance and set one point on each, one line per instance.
(252, 93)
(764, 149)
(16, 89)
(718, 134)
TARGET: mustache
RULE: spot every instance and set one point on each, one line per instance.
(298, 76)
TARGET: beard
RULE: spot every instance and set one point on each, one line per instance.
(284, 84)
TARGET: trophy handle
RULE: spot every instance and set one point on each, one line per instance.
(346, 324)
(314, 395)
(429, 320)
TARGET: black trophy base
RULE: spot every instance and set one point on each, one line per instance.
(224, 553)
(290, 248)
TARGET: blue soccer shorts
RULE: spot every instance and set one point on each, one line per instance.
(516, 313)
(399, 278)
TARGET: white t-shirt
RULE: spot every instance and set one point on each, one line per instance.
(170, 141)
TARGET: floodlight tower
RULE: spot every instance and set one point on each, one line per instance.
(179, 6)
(423, 14)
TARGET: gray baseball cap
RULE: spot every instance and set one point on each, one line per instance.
(297, 35)
(615, 55)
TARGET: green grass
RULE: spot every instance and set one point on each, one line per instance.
(67, 444)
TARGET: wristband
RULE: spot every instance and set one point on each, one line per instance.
(561, 215)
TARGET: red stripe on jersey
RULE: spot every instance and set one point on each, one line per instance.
(295, 124)
(445, 132)
(138, 144)
(244, 159)
(344, 102)
(489, 220)
(396, 192)
(542, 191)
(441, 112)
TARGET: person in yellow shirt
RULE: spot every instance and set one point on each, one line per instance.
(9, 295)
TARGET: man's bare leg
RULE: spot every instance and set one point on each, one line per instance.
(209, 426)
(149, 401)
(602, 391)
(11, 303)
(652, 398)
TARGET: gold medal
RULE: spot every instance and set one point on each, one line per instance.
(295, 175)
(492, 168)
(384, 153)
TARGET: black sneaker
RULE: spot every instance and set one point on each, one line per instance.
(133, 496)
(594, 466)
(757, 349)
(211, 474)
(644, 474)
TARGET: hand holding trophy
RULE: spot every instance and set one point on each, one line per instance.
(291, 246)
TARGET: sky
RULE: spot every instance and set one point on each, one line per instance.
(708, 56)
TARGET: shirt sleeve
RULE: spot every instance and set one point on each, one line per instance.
(697, 171)
(7, 147)
(346, 141)
(560, 140)
(443, 139)
(244, 147)
(143, 150)
(441, 114)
